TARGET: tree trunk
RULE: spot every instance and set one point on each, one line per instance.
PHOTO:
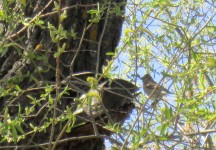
(29, 64)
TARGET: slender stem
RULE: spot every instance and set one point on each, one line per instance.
(100, 41)
(57, 82)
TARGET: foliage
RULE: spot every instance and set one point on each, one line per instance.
(173, 39)
(32, 103)
(176, 40)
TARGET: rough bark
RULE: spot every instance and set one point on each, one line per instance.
(21, 65)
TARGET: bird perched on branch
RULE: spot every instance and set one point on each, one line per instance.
(153, 89)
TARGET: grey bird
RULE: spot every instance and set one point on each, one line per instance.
(153, 89)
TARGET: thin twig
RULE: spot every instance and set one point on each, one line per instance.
(56, 99)
(59, 142)
(67, 8)
(33, 19)
(100, 41)
(78, 50)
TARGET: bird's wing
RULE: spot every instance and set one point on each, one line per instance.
(152, 86)
(157, 87)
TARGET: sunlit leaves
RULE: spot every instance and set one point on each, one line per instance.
(11, 129)
(178, 48)
(93, 82)
(96, 14)
(60, 50)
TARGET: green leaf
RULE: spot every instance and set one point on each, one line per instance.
(72, 34)
(6, 115)
(147, 32)
(163, 128)
(65, 91)
(50, 99)
(60, 51)
(56, 6)
(93, 82)
(14, 133)
(20, 129)
(23, 2)
(63, 16)
(110, 54)
(2, 15)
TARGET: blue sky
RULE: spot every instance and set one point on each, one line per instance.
(162, 51)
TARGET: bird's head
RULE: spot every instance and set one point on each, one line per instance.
(147, 78)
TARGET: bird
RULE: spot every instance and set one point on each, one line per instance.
(153, 89)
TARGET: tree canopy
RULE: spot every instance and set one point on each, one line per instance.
(174, 41)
